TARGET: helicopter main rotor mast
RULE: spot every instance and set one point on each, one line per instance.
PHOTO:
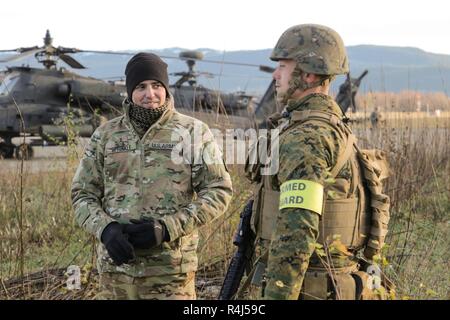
(47, 54)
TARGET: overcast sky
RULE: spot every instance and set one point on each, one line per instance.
(224, 25)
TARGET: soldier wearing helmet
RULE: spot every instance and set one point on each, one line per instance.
(308, 220)
(310, 51)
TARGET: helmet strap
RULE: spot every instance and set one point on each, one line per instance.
(297, 83)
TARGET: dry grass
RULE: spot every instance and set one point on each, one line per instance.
(418, 251)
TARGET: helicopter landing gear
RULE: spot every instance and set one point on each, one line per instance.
(6, 150)
(24, 151)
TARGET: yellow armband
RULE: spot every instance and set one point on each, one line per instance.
(301, 194)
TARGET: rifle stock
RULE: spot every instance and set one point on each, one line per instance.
(239, 261)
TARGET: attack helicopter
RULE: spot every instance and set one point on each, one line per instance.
(36, 102)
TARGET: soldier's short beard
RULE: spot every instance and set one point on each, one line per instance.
(297, 83)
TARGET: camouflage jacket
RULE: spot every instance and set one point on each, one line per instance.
(308, 151)
(123, 177)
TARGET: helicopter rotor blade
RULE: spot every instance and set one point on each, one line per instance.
(104, 52)
(23, 54)
(71, 61)
(208, 74)
(236, 63)
(228, 75)
(21, 50)
(12, 50)
(262, 68)
(63, 50)
(127, 53)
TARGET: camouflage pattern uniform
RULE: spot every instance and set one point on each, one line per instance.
(309, 151)
(376, 118)
(123, 177)
(119, 286)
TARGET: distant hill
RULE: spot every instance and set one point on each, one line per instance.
(390, 68)
(400, 68)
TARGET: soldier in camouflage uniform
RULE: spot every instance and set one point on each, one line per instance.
(376, 117)
(144, 207)
(307, 218)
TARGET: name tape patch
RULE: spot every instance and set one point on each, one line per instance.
(301, 194)
(162, 145)
(123, 147)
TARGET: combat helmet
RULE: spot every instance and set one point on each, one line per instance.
(316, 49)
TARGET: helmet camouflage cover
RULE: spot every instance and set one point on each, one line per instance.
(317, 49)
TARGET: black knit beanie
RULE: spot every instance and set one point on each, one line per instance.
(145, 66)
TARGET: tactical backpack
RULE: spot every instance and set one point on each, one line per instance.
(373, 168)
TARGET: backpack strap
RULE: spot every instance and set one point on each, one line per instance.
(349, 154)
(338, 125)
(328, 117)
(343, 157)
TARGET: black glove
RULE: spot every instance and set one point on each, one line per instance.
(116, 243)
(146, 234)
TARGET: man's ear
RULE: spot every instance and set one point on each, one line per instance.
(309, 77)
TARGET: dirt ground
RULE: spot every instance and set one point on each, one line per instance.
(45, 159)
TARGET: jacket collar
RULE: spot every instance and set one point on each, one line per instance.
(315, 101)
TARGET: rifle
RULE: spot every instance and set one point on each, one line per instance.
(357, 81)
(347, 91)
(239, 261)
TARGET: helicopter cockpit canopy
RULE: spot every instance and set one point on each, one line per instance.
(8, 83)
